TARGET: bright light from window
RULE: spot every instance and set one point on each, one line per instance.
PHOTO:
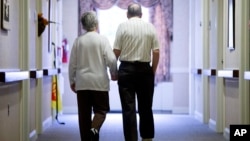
(110, 19)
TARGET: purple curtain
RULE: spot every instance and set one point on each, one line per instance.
(148, 3)
(103, 4)
(162, 18)
(123, 4)
(161, 15)
(84, 6)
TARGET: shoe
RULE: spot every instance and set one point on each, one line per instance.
(94, 134)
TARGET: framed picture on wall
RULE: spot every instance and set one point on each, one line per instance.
(5, 16)
(231, 25)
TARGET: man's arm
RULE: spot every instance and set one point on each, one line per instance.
(156, 55)
(117, 53)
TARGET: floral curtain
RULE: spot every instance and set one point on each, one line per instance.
(161, 15)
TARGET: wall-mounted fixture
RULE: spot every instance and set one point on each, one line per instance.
(42, 23)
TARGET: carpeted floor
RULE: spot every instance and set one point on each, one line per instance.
(168, 127)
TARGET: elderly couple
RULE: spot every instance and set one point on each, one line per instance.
(137, 48)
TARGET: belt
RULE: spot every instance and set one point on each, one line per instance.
(134, 62)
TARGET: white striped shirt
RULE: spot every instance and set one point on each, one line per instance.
(136, 39)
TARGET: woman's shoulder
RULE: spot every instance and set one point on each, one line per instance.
(103, 37)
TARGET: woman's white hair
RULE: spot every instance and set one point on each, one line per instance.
(89, 21)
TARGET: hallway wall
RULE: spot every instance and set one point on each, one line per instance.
(180, 57)
(220, 92)
(9, 60)
(70, 31)
(25, 108)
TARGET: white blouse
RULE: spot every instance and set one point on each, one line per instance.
(90, 58)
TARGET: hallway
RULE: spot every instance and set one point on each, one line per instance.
(168, 127)
(209, 79)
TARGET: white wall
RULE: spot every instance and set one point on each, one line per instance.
(70, 31)
(180, 56)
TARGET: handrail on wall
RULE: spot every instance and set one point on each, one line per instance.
(210, 72)
(197, 71)
(36, 73)
(247, 75)
(220, 73)
(228, 73)
(12, 76)
(51, 71)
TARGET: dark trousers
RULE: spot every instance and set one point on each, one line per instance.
(136, 81)
(88, 100)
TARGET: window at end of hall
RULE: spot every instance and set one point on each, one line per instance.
(110, 19)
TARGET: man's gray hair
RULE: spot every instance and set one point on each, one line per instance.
(89, 21)
(134, 9)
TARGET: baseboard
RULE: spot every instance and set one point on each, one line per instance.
(70, 110)
(212, 124)
(226, 133)
(33, 135)
(180, 110)
(162, 111)
(73, 110)
(198, 116)
(47, 123)
(154, 111)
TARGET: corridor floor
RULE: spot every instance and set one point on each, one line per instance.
(168, 127)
